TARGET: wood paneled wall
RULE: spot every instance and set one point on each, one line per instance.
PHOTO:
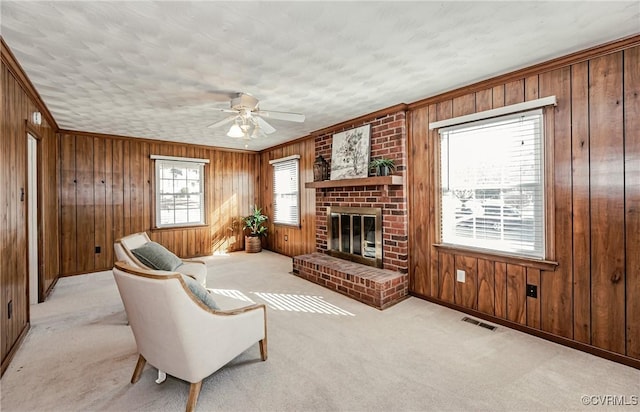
(593, 295)
(287, 240)
(18, 103)
(106, 193)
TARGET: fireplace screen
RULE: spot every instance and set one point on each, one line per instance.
(355, 233)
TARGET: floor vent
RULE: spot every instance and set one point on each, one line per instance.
(487, 326)
(469, 320)
(478, 323)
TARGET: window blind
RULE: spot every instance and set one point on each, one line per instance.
(286, 198)
(492, 184)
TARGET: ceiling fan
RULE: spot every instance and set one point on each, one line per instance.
(248, 120)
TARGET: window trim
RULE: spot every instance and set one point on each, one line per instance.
(156, 192)
(548, 106)
(273, 162)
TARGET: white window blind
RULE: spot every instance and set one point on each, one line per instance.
(179, 192)
(286, 199)
(492, 184)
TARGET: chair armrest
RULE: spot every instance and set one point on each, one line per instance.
(193, 261)
(243, 309)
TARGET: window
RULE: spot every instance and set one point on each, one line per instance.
(492, 184)
(286, 194)
(179, 197)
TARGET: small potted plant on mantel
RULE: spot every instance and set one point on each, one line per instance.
(382, 166)
(254, 222)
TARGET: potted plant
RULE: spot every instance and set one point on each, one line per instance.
(382, 166)
(254, 222)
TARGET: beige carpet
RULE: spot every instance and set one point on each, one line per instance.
(326, 353)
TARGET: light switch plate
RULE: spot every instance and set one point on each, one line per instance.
(460, 275)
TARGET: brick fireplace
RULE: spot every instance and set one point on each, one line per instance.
(388, 139)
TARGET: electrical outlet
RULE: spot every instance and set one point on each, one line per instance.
(532, 291)
(97, 249)
(286, 238)
(460, 275)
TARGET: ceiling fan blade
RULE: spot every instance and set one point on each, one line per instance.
(221, 95)
(290, 117)
(264, 126)
(223, 122)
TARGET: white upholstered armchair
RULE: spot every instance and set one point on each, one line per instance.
(123, 248)
(178, 334)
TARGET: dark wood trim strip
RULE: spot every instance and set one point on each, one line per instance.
(614, 357)
(14, 349)
(549, 65)
(16, 69)
(150, 141)
(289, 143)
(498, 257)
(402, 107)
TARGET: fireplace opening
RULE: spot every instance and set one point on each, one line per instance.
(355, 233)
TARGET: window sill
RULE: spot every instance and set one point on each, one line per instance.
(161, 229)
(541, 264)
(288, 225)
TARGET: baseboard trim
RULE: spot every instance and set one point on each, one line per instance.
(602, 353)
(14, 349)
(49, 289)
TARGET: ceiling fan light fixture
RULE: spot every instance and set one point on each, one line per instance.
(235, 131)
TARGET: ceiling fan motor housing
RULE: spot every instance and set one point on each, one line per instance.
(244, 101)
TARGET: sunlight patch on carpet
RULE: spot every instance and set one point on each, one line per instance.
(232, 293)
(301, 303)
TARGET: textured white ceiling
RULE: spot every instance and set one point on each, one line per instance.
(143, 69)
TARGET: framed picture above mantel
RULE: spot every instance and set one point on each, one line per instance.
(350, 153)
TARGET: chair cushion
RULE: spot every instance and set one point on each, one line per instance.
(157, 256)
(195, 270)
(200, 292)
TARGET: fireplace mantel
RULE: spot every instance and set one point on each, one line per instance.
(393, 180)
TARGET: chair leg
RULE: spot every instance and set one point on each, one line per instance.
(194, 391)
(263, 349)
(139, 367)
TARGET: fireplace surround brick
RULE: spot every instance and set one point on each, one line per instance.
(388, 139)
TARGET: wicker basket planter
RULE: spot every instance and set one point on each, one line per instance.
(252, 244)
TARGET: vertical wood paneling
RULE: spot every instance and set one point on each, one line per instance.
(498, 96)
(466, 292)
(68, 204)
(531, 88)
(501, 290)
(100, 199)
(516, 294)
(580, 195)
(107, 248)
(557, 300)
(117, 189)
(484, 100)
(486, 287)
(446, 277)
(85, 204)
(419, 252)
(533, 304)
(632, 196)
(126, 182)
(514, 92)
(434, 207)
(465, 104)
(607, 203)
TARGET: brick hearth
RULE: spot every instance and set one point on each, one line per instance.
(379, 288)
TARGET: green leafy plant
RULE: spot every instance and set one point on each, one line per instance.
(254, 222)
(382, 166)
